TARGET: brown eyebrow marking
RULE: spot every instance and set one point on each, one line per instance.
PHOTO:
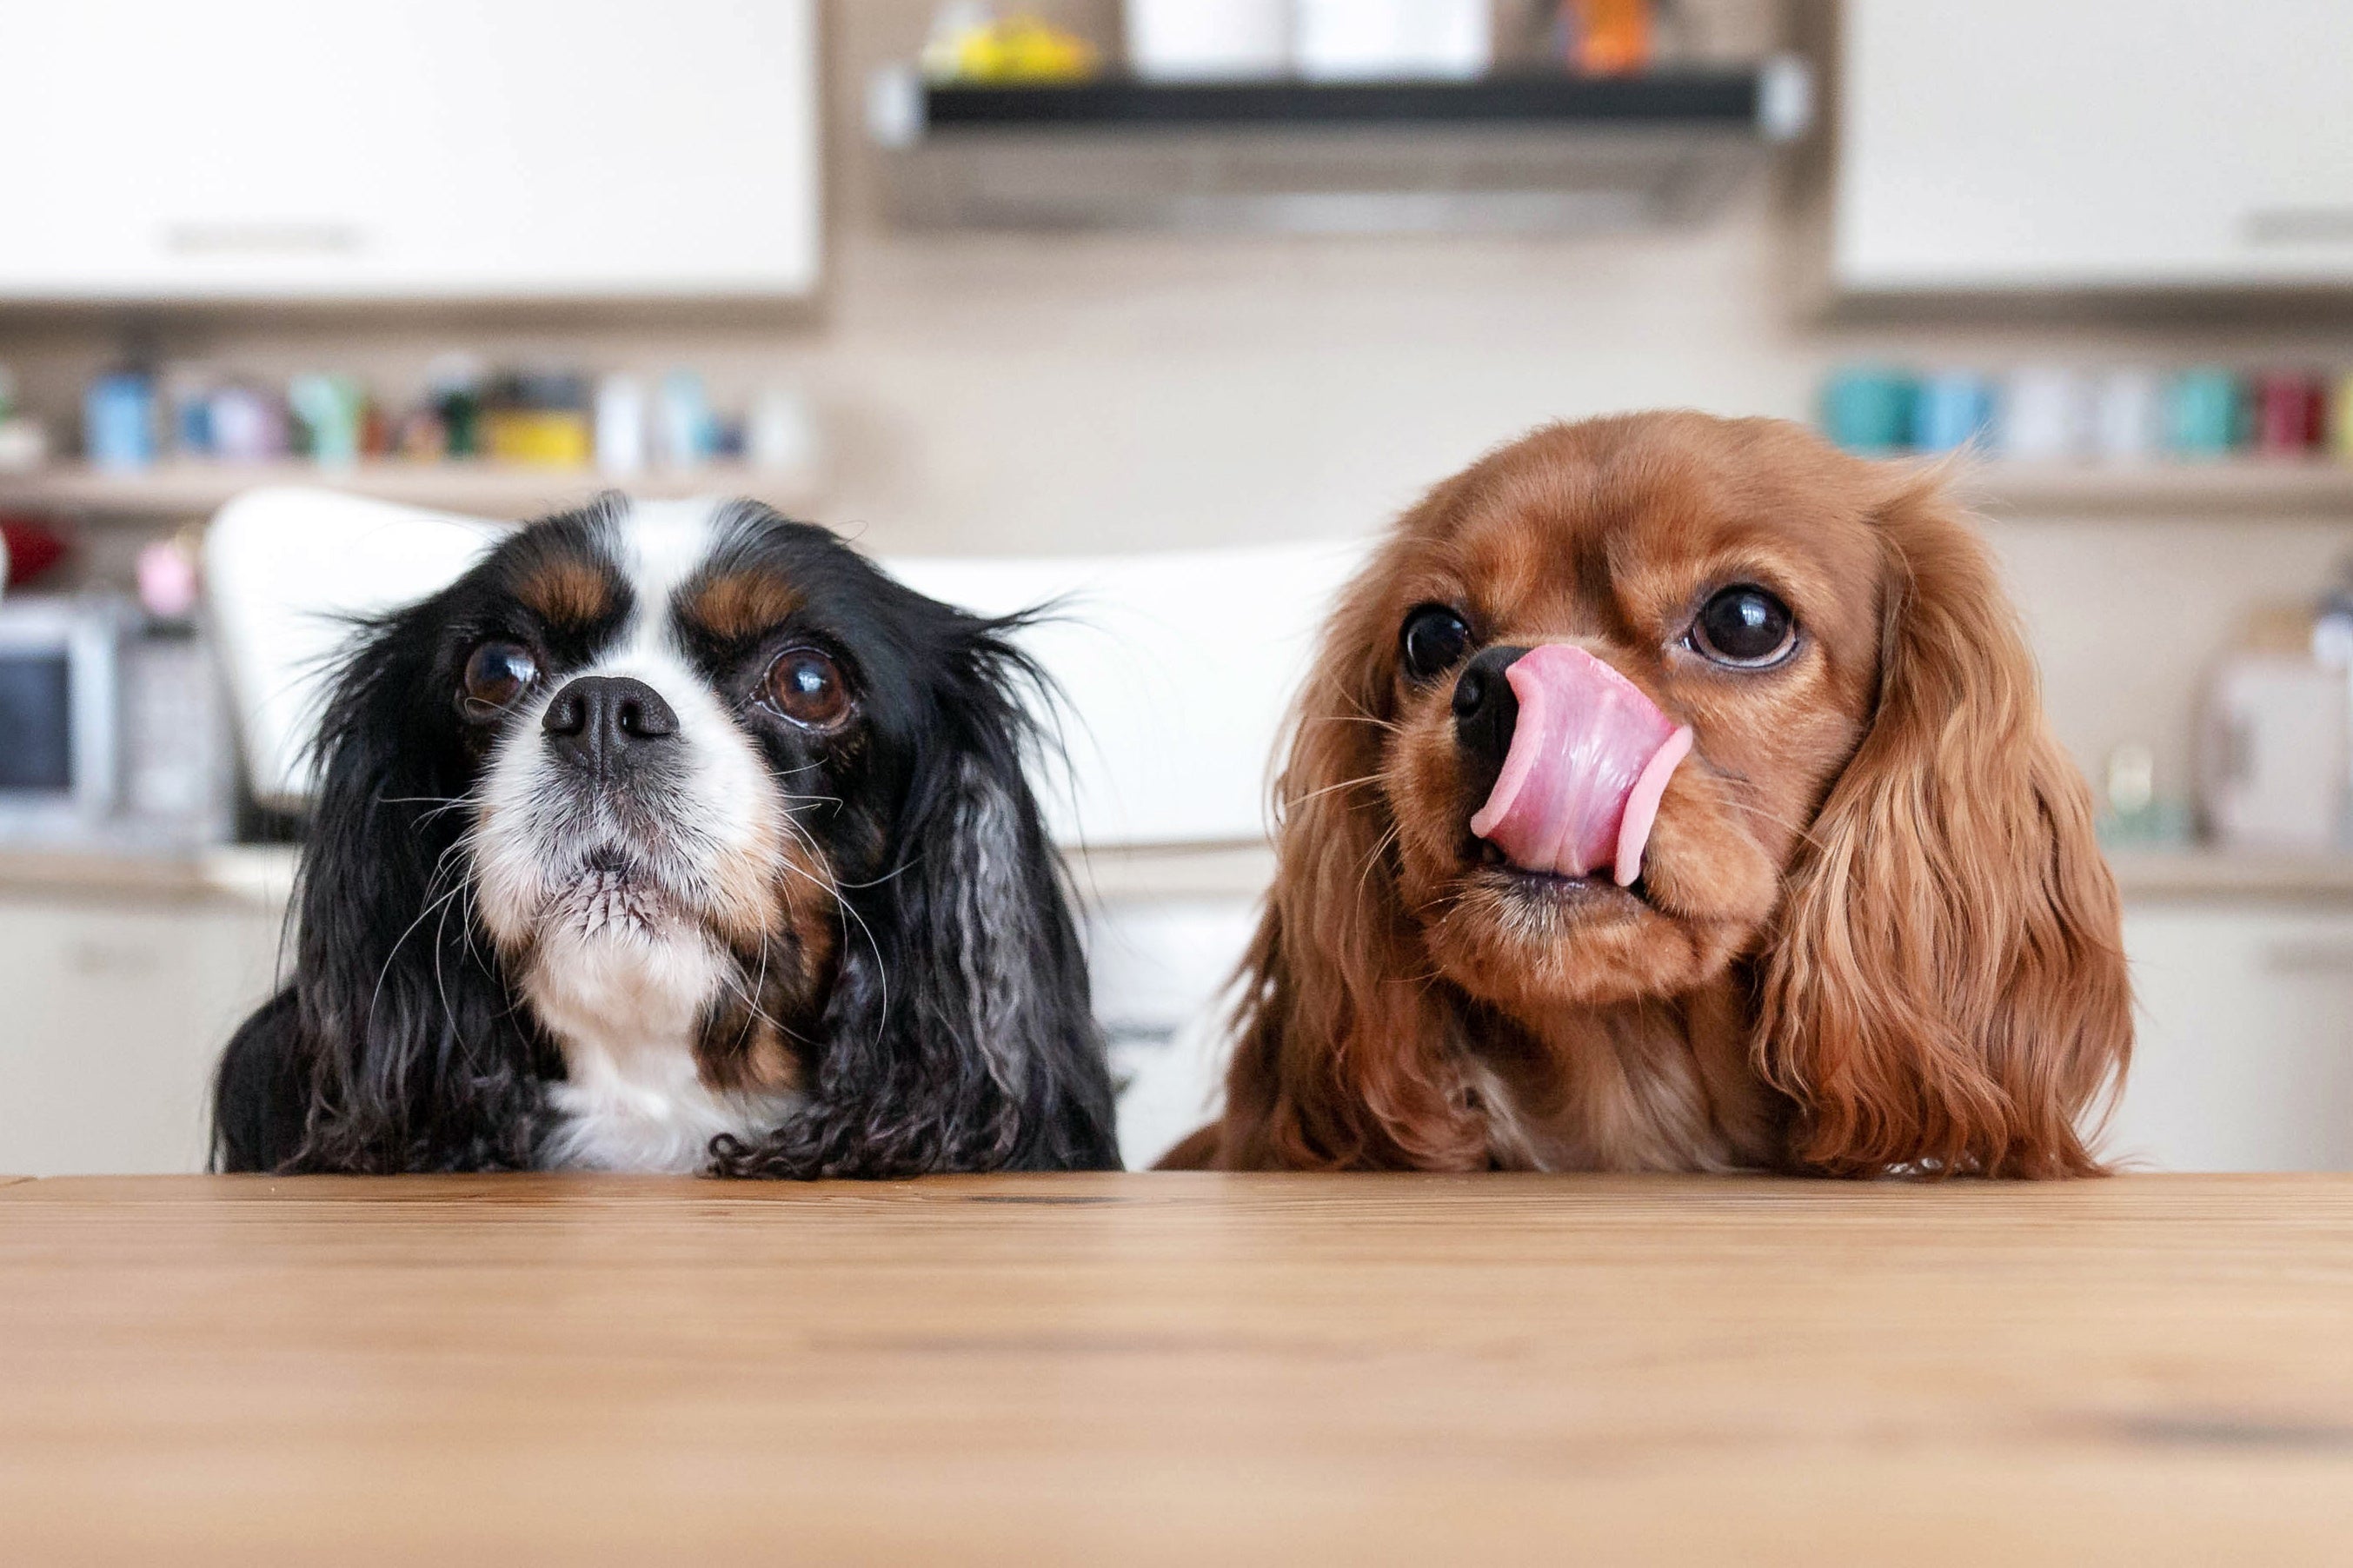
(738, 605)
(566, 591)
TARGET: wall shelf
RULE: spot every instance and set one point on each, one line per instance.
(1510, 152)
(2319, 488)
(503, 490)
(2210, 873)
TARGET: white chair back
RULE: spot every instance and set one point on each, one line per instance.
(1174, 667)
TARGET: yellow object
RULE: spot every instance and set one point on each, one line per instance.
(1020, 48)
(547, 438)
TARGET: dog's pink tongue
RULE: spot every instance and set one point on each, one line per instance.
(1590, 756)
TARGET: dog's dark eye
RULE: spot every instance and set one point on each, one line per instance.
(806, 688)
(499, 672)
(1433, 639)
(1744, 626)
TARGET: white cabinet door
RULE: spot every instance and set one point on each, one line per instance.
(2244, 1061)
(433, 148)
(2090, 144)
(111, 1018)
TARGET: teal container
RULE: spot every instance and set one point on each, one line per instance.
(331, 410)
(2203, 413)
(1950, 410)
(1868, 409)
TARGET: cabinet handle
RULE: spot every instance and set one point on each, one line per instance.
(2309, 958)
(261, 240)
(2299, 226)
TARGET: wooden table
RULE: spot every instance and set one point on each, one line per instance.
(1194, 1369)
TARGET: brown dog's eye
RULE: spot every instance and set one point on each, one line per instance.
(1432, 640)
(499, 672)
(1745, 626)
(806, 687)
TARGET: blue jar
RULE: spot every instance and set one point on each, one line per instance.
(1952, 409)
(117, 421)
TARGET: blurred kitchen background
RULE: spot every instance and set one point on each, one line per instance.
(1031, 294)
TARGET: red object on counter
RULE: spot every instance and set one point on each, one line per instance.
(2291, 414)
(27, 549)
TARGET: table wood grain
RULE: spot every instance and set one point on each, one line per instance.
(1182, 1369)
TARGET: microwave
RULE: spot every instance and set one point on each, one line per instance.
(112, 730)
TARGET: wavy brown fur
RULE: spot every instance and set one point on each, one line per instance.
(1878, 936)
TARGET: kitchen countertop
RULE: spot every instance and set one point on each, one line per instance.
(264, 873)
(256, 873)
(2227, 874)
(1179, 1369)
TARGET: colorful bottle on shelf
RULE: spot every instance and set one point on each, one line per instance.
(1868, 409)
(2201, 414)
(117, 421)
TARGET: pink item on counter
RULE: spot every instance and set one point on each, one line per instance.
(167, 581)
(1589, 762)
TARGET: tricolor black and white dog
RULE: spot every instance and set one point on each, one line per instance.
(675, 837)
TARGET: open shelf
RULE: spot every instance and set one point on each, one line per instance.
(2320, 489)
(2317, 488)
(1520, 152)
(506, 491)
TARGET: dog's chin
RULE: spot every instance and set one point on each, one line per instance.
(1525, 942)
(611, 893)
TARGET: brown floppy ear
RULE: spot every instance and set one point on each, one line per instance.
(1343, 1058)
(1947, 992)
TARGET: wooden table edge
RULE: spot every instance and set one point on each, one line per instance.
(1149, 1188)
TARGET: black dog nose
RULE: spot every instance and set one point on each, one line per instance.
(599, 718)
(1485, 710)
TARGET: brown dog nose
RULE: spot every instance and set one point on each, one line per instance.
(1486, 710)
(600, 720)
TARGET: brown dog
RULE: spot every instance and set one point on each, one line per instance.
(1674, 793)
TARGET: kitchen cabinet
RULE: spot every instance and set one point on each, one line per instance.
(114, 1011)
(2244, 1061)
(457, 149)
(112, 1014)
(2090, 144)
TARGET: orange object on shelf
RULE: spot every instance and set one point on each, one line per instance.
(1608, 37)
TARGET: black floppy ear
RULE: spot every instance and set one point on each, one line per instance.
(394, 1048)
(959, 1035)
